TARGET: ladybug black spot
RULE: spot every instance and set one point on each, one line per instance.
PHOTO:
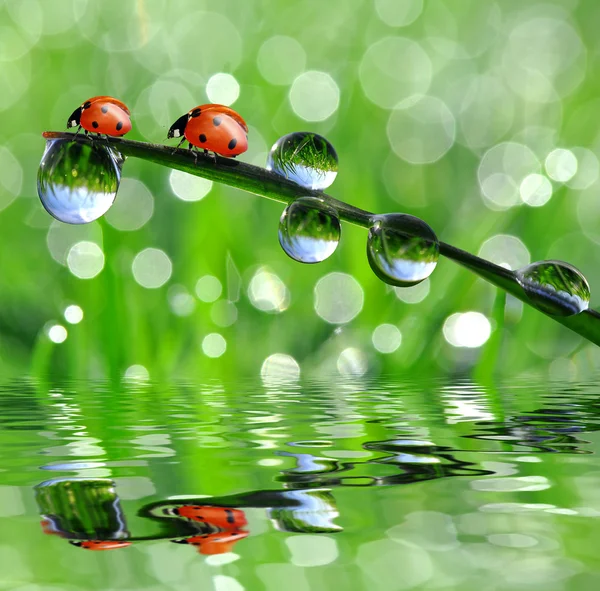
(87, 105)
(195, 113)
(119, 126)
(95, 124)
(232, 144)
(202, 138)
(217, 121)
(104, 109)
(229, 512)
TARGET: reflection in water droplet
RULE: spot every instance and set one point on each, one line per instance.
(77, 183)
(402, 249)
(309, 230)
(555, 287)
(305, 158)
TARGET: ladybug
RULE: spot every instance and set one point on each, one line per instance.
(221, 517)
(217, 543)
(214, 128)
(102, 114)
(100, 544)
(50, 528)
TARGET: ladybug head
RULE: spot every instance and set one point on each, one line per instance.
(75, 118)
(178, 128)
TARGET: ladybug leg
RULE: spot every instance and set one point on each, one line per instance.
(179, 144)
(78, 130)
(194, 152)
(106, 139)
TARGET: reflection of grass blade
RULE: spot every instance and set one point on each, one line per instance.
(271, 185)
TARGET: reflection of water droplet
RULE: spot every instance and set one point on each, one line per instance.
(402, 249)
(309, 230)
(305, 158)
(555, 287)
(77, 182)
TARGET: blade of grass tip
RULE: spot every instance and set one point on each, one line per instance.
(272, 186)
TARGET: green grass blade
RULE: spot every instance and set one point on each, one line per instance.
(272, 186)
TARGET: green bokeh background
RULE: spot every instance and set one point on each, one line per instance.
(506, 71)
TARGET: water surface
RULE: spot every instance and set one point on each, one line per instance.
(376, 484)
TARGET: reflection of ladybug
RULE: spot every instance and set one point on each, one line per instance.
(50, 528)
(101, 544)
(214, 128)
(217, 543)
(102, 114)
(221, 517)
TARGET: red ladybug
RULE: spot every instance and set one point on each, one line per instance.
(50, 528)
(217, 543)
(215, 128)
(221, 517)
(102, 114)
(101, 544)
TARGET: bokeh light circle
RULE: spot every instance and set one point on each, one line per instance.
(386, 338)
(222, 89)
(85, 259)
(506, 251)
(394, 69)
(339, 298)
(281, 59)
(588, 169)
(535, 190)
(398, 13)
(73, 314)
(421, 129)
(134, 207)
(214, 345)
(57, 333)
(208, 288)
(561, 165)
(352, 363)
(314, 96)
(280, 367)
(468, 329)
(152, 268)
(188, 187)
(267, 292)
(501, 172)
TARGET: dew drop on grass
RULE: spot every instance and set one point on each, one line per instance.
(77, 182)
(555, 287)
(402, 249)
(309, 230)
(305, 158)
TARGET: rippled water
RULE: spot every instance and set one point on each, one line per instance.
(384, 484)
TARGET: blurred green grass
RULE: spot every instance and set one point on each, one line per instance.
(158, 57)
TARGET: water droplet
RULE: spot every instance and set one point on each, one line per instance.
(305, 158)
(402, 249)
(309, 230)
(555, 287)
(77, 182)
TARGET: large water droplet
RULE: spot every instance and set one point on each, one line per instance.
(78, 182)
(555, 287)
(309, 230)
(402, 249)
(305, 158)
